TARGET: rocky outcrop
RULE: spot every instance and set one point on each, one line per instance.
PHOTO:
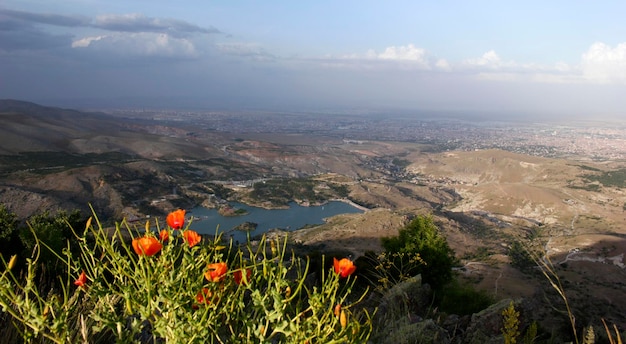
(405, 315)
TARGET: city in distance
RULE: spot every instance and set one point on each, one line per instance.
(486, 183)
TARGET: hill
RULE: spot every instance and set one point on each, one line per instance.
(483, 200)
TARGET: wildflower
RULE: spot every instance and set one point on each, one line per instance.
(238, 275)
(216, 272)
(337, 310)
(12, 262)
(164, 235)
(192, 237)
(147, 245)
(344, 267)
(176, 219)
(288, 292)
(204, 296)
(81, 280)
(343, 319)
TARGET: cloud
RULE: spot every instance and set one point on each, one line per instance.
(489, 59)
(139, 23)
(139, 44)
(248, 50)
(408, 52)
(443, 65)
(45, 18)
(603, 64)
(18, 35)
(119, 34)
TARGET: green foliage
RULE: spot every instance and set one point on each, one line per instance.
(166, 297)
(53, 231)
(462, 299)
(383, 272)
(520, 258)
(530, 336)
(510, 324)
(615, 178)
(421, 236)
(48, 162)
(283, 191)
(10, 242)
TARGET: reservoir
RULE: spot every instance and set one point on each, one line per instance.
(207, 220)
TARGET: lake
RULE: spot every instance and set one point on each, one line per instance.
(207, 220)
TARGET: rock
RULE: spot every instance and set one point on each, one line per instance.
(486, 326)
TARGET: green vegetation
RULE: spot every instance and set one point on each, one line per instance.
(520, 257)
(177, 292)
(280, 192)
(421, 236)
(52, 231)
(48, 162)
(462, 299)
(615, 179)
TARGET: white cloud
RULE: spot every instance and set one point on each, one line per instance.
(86, 41)
(601, 63)
(248, 50)
(139, 44)
(489, 59)
(409, 52)
(443, 65)
(403, 57)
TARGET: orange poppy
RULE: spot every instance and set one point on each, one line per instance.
(238, 275)
(164, 235)
(176, 219)
(81, 280)
(204, 296)
(216, 272)
(192, 237)
(337, 309)
(147, 245)
(344, 267)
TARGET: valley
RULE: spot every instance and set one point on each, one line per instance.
(558, 189)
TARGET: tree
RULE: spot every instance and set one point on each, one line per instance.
(421, 236)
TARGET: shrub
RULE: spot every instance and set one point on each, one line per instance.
(421, 237)
(462, 299)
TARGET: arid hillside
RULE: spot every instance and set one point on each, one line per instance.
(482, 200)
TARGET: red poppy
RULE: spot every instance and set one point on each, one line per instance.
(147, 245)
(176, 219)
(164, 235)
(216, 272)
(81, 280)
(238, 275)
(344, 267)
(204, 296)
(192, 237)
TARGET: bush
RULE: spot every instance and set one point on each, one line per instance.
(462, 299)
(421, 237)
(10, 242)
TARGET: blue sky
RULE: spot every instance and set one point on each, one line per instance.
(524, 59)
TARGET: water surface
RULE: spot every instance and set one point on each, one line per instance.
(207, 220)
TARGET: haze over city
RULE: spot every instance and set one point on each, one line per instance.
(531, 59)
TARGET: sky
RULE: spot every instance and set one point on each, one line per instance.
(522, 59)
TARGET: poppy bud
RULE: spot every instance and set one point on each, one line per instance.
(12, 261)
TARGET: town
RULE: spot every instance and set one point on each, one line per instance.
(597, 140)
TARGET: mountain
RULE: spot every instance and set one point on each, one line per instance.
(27, 126)
(482, 199)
